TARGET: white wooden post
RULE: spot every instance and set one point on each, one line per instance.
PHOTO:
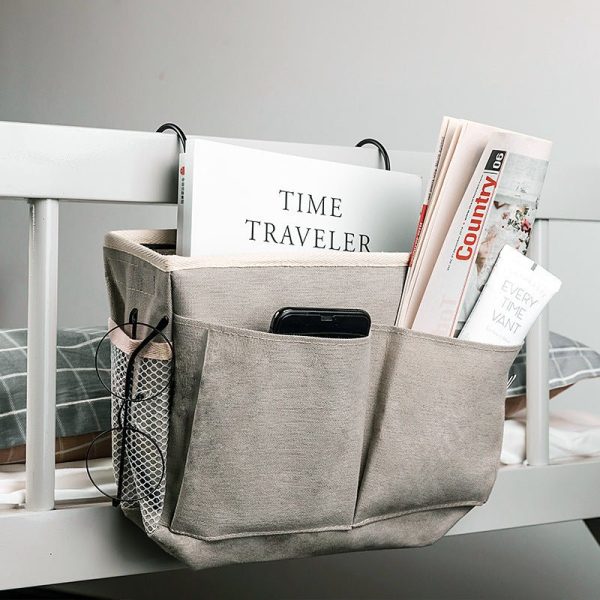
(537, 362)
(41, 353)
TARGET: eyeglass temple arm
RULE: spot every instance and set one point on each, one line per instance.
(133, 319)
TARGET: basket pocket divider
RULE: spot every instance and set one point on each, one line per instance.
(437, 426)
(276, 440)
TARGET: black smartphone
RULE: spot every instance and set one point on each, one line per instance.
(322, 322)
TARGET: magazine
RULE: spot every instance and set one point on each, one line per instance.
(510, 217)
(461, 150)
(458, 246)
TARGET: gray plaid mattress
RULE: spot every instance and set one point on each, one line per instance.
(570, 362)
(82, 403)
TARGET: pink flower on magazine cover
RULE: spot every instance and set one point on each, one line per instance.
(526, 225)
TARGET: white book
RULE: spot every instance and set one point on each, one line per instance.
(238, 200)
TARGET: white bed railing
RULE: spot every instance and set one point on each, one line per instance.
(538, 420)
(46, 164)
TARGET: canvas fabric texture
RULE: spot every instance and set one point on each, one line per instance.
(287, 446)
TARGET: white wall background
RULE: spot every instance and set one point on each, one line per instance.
(329, 71)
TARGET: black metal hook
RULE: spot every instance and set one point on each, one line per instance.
(180, 135)
(380, 147)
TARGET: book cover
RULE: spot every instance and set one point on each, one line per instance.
(238, 200)
(509, 222)
(437, 311)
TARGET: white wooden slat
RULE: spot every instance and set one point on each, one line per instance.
(74, 544)
(527, 495)
(41, 353)
(79, 543)
(79, 163)
(538, 343)
(406, 161)
(570, 192)
(106, 165)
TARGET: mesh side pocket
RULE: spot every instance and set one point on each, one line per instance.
(145, 442)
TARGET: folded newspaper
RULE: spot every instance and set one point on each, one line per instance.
(483, 195)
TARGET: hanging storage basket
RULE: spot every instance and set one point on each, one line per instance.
(285, 446)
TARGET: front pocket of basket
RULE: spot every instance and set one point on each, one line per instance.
(277, 436)
(437, 426)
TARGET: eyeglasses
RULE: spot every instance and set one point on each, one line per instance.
(139, 382)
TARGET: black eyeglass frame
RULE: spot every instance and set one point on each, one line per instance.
(127, 400)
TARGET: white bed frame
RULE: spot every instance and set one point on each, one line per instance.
(45, 164)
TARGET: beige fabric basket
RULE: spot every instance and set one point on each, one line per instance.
(286, 446)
